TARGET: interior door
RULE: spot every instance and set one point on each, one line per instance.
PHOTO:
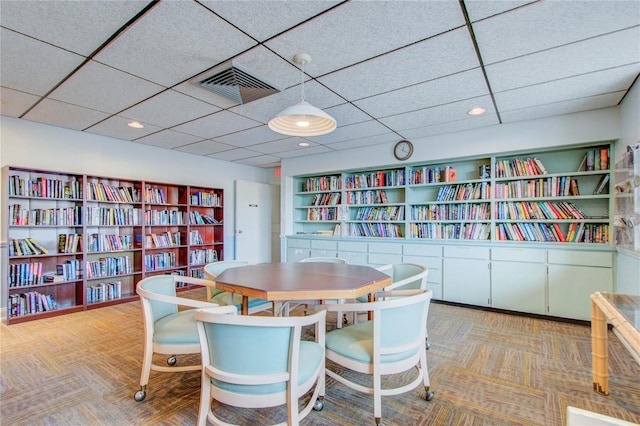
(253, 221)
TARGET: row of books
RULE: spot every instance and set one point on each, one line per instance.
(375, 179)
(195, 218)
(31, 302)
(520, 167)
(209, 199)
(25, 247)
(437, 174)
(108, 266)
(469, 191)
(322, 183)
(378, 196)
(67, 216)
(467, 211)
(322, 214)
(538, 210)
(201, 257)
(450, 231)
(543, 232)
(102, 292)
(69, 270)
(157, 261)
(98, 191)
(326, 199)
(554, 186)
(69, 243)
(588, 233)
(164, 217)
(387, 230)
(167, 239)
(25, 274)
(109, 242)
(595, 159)
(380, 213)
(154, 196)
(44, 187)
(195, 237)
(105, 216)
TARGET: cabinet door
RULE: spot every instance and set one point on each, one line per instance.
(296, 254)
(570, 289)
(466, 281)
(519, 286)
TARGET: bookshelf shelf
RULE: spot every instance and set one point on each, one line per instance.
(475, 199)
(77, 242)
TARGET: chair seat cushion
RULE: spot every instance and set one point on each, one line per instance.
(222, 299)
(177, 329)
(356, 342)
(311, 355)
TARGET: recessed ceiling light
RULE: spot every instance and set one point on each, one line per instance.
(477, 111)
(135, 125)
(303, 144)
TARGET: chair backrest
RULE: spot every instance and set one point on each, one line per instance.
(212, 270)
(325, 259)
(241, 346)
(406, 276)
(150, 288)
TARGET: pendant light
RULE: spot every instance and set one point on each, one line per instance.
(302, 119)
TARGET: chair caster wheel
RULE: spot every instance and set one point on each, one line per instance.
(427, 345)
(140, 395)
(345, 321)
(429, 395)
(318, 405)
(172, 360)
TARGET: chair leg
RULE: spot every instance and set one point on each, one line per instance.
(205, 400)
(147, 359)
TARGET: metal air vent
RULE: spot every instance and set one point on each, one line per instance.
(232, 81)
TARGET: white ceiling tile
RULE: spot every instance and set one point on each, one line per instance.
(347, 114)
(36, 72)
(454, 111)
(366, 141)
(596, 83)
(78, 26)
(168, 139)
(546, 24)
(264, 19)
(205, 147)
(607, 51)
(436, 57)
(305, 151)
(283, 145)
(260, 160)
(102, 88)
(234, 154)
(564, 107)
(218, 124)
(65, 115)
(116, 127)
(480, 9)
(353, 131)
(169, 108)
(167, 54)
(207, 96)
(465, 85)
(354, 25)
(452, 127)
(14, 103)
(256, 135)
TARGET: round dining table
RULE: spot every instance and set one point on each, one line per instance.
(282, 282)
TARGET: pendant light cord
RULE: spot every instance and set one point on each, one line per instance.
(302, 73)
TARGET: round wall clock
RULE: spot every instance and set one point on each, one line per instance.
(403, 150)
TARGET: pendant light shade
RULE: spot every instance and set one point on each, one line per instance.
(302, 119)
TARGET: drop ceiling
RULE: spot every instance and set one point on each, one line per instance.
(385, 70)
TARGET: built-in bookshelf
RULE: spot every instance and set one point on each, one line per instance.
(558, 196)
(77, 242)
(626, 223)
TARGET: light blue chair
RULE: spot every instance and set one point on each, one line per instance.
(223, 298)
(167, 331)
(391, 343)
(260, 361)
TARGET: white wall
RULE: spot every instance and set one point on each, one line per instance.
(33, 145)
(628, 262)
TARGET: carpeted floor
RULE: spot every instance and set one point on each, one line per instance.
(486, 368)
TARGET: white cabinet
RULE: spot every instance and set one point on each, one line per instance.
(384, 253)
(354, 252)
(573, 277)
(466, 277)
(431, 257)
(298, 249)
(324, 248)
(519, 279)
